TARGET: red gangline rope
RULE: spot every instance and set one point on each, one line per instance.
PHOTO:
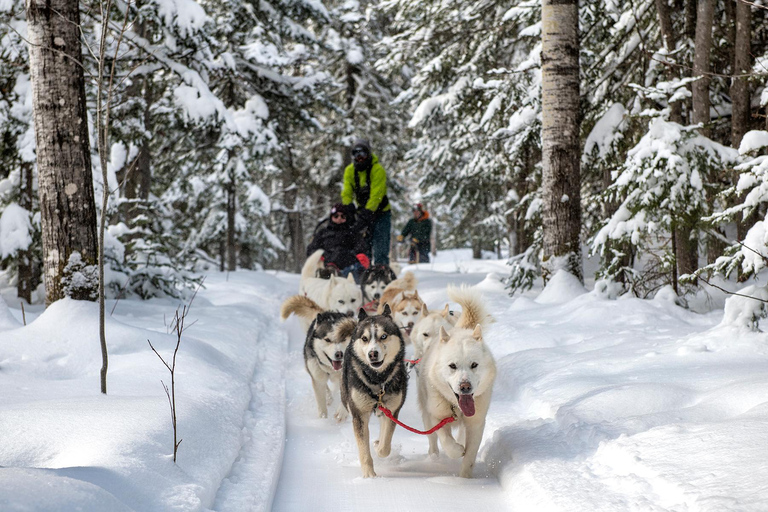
(437, 427)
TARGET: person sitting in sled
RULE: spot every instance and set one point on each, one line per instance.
(420, 230)
(344, 247)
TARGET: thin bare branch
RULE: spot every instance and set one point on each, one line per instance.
(730, 292)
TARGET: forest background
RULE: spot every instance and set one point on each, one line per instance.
(231, 124)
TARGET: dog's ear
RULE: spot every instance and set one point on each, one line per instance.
(415, 294)
(386, 311)
(443, 334)
(392, 275)
(446, 311)
(332, 279)
(351, 278)
(424, 310)
(478, 333)
(361, 315)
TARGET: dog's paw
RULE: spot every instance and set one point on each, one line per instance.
(368, 472)
(454, 450)
(341, 414)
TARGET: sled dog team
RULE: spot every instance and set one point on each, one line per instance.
(356, 339)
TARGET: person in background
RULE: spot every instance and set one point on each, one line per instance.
(365, 183)
(344, 247)
(420, 230)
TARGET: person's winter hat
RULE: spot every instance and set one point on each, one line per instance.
(362, 144)
(418, 207)
(346, 209)
(361, 151)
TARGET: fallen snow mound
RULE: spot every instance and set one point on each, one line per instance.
(563, 287)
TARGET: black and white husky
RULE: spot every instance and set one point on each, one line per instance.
(327, 338)
(374, 372)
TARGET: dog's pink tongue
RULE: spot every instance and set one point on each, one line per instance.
(337, 366)
(467, 404)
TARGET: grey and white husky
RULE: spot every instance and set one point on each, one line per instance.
(374, 280)
(327, 338)
(374, 372)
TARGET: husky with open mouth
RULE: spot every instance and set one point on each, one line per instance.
(374, 373)
(456, 379)
(327, 338)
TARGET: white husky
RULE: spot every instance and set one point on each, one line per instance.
(457, 375)
(428, 327)
(334, 294)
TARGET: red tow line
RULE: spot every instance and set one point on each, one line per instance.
(413, 362)
(437, 427)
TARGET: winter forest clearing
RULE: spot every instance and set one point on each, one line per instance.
(555, 210)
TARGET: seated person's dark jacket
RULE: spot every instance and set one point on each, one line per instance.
(340, 243)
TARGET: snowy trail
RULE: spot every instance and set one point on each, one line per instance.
(321, 470)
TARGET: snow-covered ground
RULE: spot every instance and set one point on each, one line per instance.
(599, 404)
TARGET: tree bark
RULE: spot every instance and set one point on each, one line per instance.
(295, 226)
(68, 210)
(231, 243)
(686, 251)
(740, 96)
(138, 179)
(670, 43)
(689, 11)
(741, 65)
(561, 213)
(701, 103)
(27, 276)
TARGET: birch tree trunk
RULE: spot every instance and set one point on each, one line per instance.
(561, 214)
(68, 210)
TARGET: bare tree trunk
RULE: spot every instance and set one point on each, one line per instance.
(295, 226)
(740, 96)
(68, 211)
(701, 103)
(741, 65)
(686, 251)
(561, 214)
(27, 279)
(670, 43)
(231, 209)
(222, 255)
(477, 248)
(138, 179)
(690, 19)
